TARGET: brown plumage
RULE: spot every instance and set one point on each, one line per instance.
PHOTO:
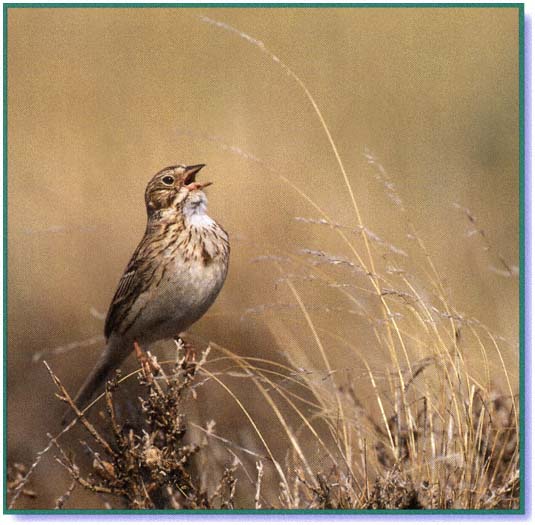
(173, 276)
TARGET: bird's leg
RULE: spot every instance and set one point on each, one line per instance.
(139, 352)
(143, 361)
(148, 364)
(191, 352)
(190, 355)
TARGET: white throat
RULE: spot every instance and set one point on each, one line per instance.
(195, 211)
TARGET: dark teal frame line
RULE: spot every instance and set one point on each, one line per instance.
(522, 253)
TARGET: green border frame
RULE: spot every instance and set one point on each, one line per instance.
(522, 340)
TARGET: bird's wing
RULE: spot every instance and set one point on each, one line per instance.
(125, 287)
(133, 283)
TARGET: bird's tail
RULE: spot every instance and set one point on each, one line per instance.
(110, 359)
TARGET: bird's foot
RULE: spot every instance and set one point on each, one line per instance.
(149, 365)
(189, 359)
(190, 352)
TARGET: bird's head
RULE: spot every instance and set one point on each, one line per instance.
(174, 189)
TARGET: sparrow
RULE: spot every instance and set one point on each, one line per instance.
(173, 277)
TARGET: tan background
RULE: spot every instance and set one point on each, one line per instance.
(101, 99)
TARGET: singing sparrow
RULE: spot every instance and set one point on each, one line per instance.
(173, 277)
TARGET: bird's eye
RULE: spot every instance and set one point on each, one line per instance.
(168, 180)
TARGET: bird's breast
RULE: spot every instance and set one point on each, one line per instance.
(193, 273)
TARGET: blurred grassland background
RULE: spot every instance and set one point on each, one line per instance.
(101, 99)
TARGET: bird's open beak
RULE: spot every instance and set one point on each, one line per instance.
(189, 177)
